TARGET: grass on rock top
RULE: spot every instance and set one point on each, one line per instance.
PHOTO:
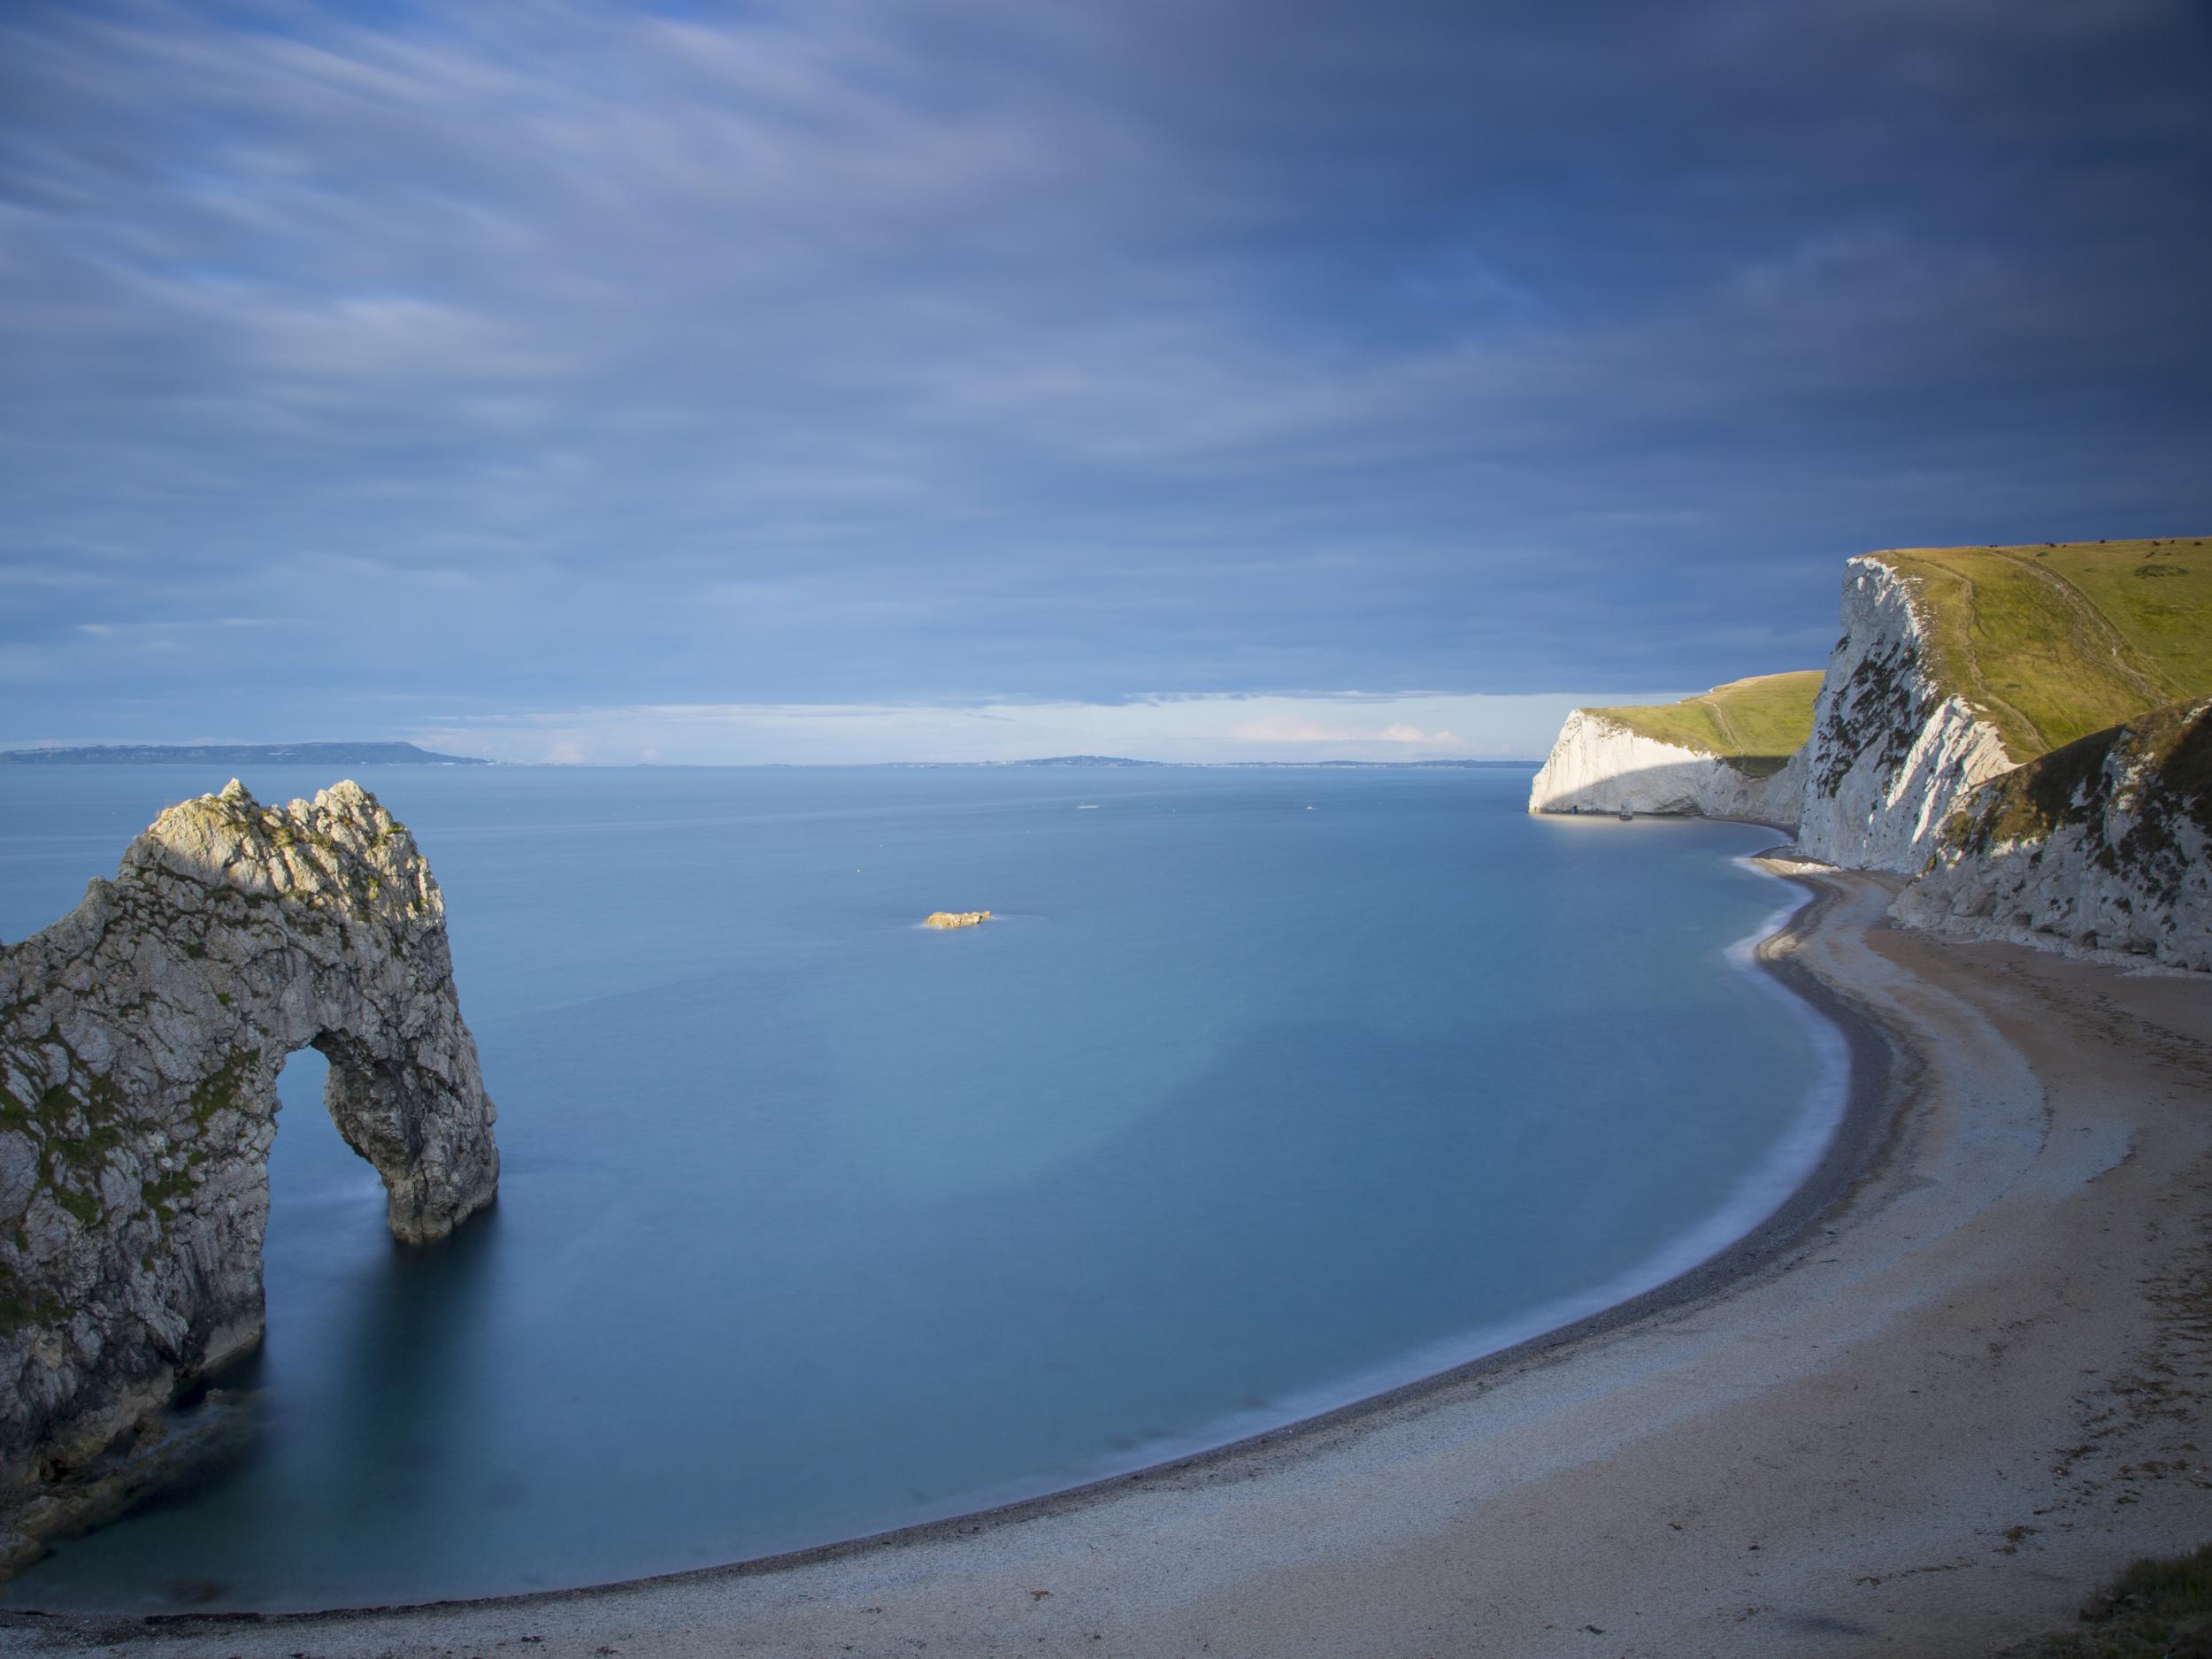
(2056, 642)
(1755, 725)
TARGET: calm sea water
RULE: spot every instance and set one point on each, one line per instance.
(1267, 1090)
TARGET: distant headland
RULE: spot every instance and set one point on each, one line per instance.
(236, 754)
(1211, 766)
(2024, 733)
(1084, 760)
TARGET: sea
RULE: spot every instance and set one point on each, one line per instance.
(1262, 1091)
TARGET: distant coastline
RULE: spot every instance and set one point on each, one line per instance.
(236, 754)
(1075, 760)
(410, 755)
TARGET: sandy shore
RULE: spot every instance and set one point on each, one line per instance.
(1958, 1383)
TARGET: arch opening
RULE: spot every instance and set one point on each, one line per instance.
(142, 1037)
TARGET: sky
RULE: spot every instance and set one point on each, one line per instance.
(974, 378)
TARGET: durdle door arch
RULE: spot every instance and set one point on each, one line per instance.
(141, 1037)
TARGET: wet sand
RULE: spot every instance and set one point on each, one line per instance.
(1957, 1383)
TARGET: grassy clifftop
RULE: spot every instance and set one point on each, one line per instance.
(1754, 725)
(2057, 642)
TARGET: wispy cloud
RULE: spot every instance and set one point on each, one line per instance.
(574, 355)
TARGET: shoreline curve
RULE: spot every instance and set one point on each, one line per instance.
(1856, 1139)
(1927, 1417)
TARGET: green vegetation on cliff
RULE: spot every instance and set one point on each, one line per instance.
(1755, 725)
(2057, 642)
(2167, 770)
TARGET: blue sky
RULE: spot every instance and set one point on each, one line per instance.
(965, 379)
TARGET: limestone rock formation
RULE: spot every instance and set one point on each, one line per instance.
(1954, 666)
(1893, 755)
(1598, 765)
(954, 918)
(2101, 847)
(141, 1037)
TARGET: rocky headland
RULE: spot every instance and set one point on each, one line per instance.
(2017, 731)
(141, 1037)
(1893, 750)
(1686, 759)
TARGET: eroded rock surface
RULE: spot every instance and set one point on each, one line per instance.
(1892, 753)
(2102, 847)
(141, 1037)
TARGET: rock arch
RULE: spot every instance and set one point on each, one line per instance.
(141, 1037)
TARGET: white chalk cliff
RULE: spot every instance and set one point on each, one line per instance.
(2101, 847)
(1598, 765)
(141, 1037)
(1893, 755)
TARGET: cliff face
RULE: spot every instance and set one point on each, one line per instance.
(2103, 846)
(141, 1037)
(1892, 755)
(1954, 665)
(1598, 765)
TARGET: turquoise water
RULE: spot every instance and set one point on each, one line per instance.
(1266, 1090)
